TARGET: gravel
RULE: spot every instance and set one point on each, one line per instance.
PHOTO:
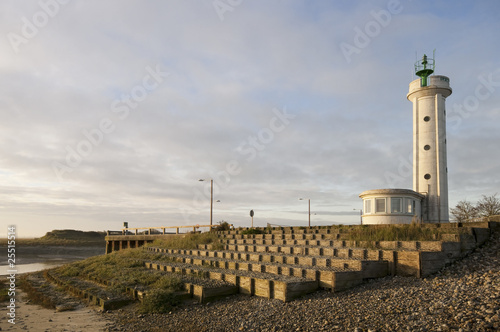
(462, 297)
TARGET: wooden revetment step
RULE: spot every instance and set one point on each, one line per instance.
(251, 283)
(327, 272)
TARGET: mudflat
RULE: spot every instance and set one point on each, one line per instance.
(42, 253)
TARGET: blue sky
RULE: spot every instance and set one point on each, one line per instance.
(112, 111)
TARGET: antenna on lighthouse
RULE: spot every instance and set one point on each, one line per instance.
(425, 67)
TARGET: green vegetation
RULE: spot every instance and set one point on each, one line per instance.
(36, 295)
(64, 237)
(124, 269)
(412, 232)
(223, 226)
(189, 241)
(253, 231)
(159, 301)
(4, 291)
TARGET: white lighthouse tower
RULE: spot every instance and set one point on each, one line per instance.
(430, 171)
(428, 201)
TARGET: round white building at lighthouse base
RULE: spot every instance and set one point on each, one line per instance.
(391, 206)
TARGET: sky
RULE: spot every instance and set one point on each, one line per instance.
(112, 111)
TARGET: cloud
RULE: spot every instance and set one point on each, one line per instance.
(352, 122)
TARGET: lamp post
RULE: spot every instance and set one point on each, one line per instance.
(360, 216)
(211, 199)
(303, 199)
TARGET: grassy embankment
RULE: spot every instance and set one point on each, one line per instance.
(63, 237)
(411, 232)
(125, 268)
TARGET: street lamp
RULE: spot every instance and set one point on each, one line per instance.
(211, 199)
(360, 216)
(303, 199)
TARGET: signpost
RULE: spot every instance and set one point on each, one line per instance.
(251, 215)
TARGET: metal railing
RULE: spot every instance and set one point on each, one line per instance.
(156, 230)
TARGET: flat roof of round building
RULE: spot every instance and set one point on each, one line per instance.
(392, 191)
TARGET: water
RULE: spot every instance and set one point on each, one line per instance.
(26, 268)
(37, 258)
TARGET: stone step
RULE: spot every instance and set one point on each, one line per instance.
(283, 236)
(327, 251)
(309, 267)
(89, 291)
(451, 240)
(311, 257)
(261, 284)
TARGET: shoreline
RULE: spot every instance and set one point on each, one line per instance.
(32, 317)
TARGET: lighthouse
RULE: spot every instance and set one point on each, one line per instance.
(428, 201)
(430, 171)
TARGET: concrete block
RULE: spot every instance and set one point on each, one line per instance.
(315, 251)
(273, 248)
(408, 263)
(286, 271)
(388, 244)
(408, 245)
(326, 279)
(258, 267)
(246, 285)
(346, 280)
(311, 274)
(244, 266)
(298, 272)
(323, 261)
(481, 234)
(278, 259)
(374, 269)
(343, 253)
(289, 291)
(264, 288)
(255, 257)
(329, 252)
(325, 243)
(267, 258)
(273, 269)
(306, 260)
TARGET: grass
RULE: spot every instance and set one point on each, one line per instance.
(125, 269)
(4, 291)
(189, 241)
(36, 295)
(411, 232)
(253, 231)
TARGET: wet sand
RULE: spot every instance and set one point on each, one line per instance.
(35, 318)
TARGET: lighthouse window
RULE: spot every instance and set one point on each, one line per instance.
(427, 147)
(379, 205)
(409, 205)
(368, 206)
(427, 176)
(396, 205)
(427, 118)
